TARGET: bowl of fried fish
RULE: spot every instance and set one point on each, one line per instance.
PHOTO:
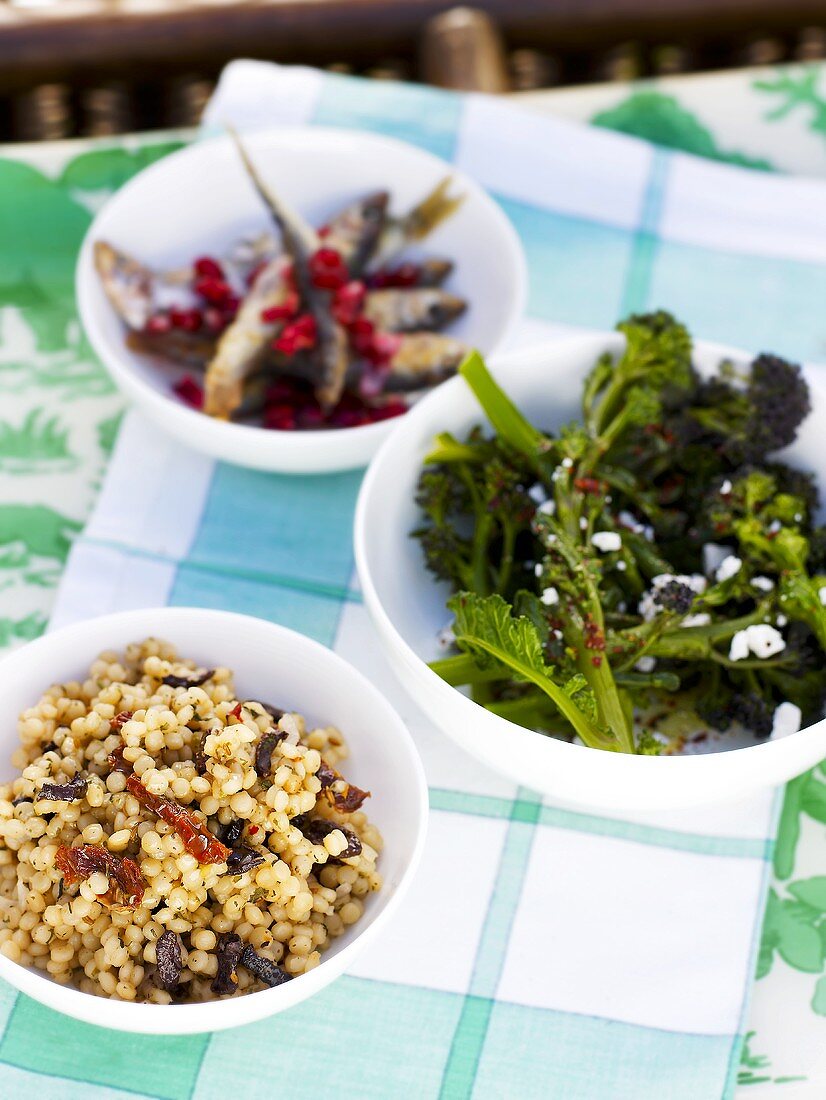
(279, 300)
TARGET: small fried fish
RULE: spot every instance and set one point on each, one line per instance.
(301, 241)
(355, 232)
(126, 283)
(245, 342)
(418, 222)
(424, 359)
(412, 310)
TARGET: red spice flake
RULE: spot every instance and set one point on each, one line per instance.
(197, 839)
(594, 637)
(284, 311)
(188, 320)
(208, 267)
(120, 720)
(126, 883)
(189, 392)
(297, 335)
(328, 271)
(236, 711)
(117, 762)
(596, 661)
(252, 830)
(348, 302)
(590, 485)
(159, 324)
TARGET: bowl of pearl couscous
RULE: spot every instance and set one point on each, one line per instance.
(203, 818)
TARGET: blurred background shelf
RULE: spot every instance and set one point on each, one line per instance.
(96, 67)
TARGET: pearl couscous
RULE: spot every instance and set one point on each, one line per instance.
(168, 843)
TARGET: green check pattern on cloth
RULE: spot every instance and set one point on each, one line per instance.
(542, 952)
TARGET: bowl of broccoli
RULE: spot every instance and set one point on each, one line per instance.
(600, 565)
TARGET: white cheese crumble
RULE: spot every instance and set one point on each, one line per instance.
(537, 569)
(621, 566)
(646, 664)
(567, 463)
(713, 556)
(725, 488)
(763, 584)
(606, 541)
(821, 592)
(787, 719)
(760, 639)
(537, 493)
(549, 596)
(728, 568)
(546, 508)
(702, 618)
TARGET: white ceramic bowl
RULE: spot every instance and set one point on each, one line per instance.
(282, 667)
(408, 607)
(199, 200)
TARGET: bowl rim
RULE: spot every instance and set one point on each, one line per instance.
(505, 366)
(233, 434)
(196, 1018)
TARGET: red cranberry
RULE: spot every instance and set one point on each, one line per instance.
(212, 290)
(189, 392)
(361, 335)
(280, 418)
(284, 311)
(348, 302)
(385, 346)
(208, 268)
(297, 335)
(327, 269)
(231, 305)
(391, 409)
(187, 319)
(311, 416)
(158, 324)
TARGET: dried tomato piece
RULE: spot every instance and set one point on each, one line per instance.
(197, 839)
(264, 751)
(120, 720)
(72, 791)
(347, 799)
(126, 883)
(116, 761)
(316, 828)
(326, 775)
(264, 969)
(243, 859)
(188, 681)
(169, 960)
(229, 951)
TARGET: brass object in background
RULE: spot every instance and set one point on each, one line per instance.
(185, 97)
(43, 113)
(530, 69)
(106, 109)
(811, 44)
(462, 48)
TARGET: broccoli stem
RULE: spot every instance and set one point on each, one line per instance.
(500, 410)
(463, 669)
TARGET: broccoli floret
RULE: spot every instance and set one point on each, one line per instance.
(753, 712)
(745, 425)
(675, 596)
